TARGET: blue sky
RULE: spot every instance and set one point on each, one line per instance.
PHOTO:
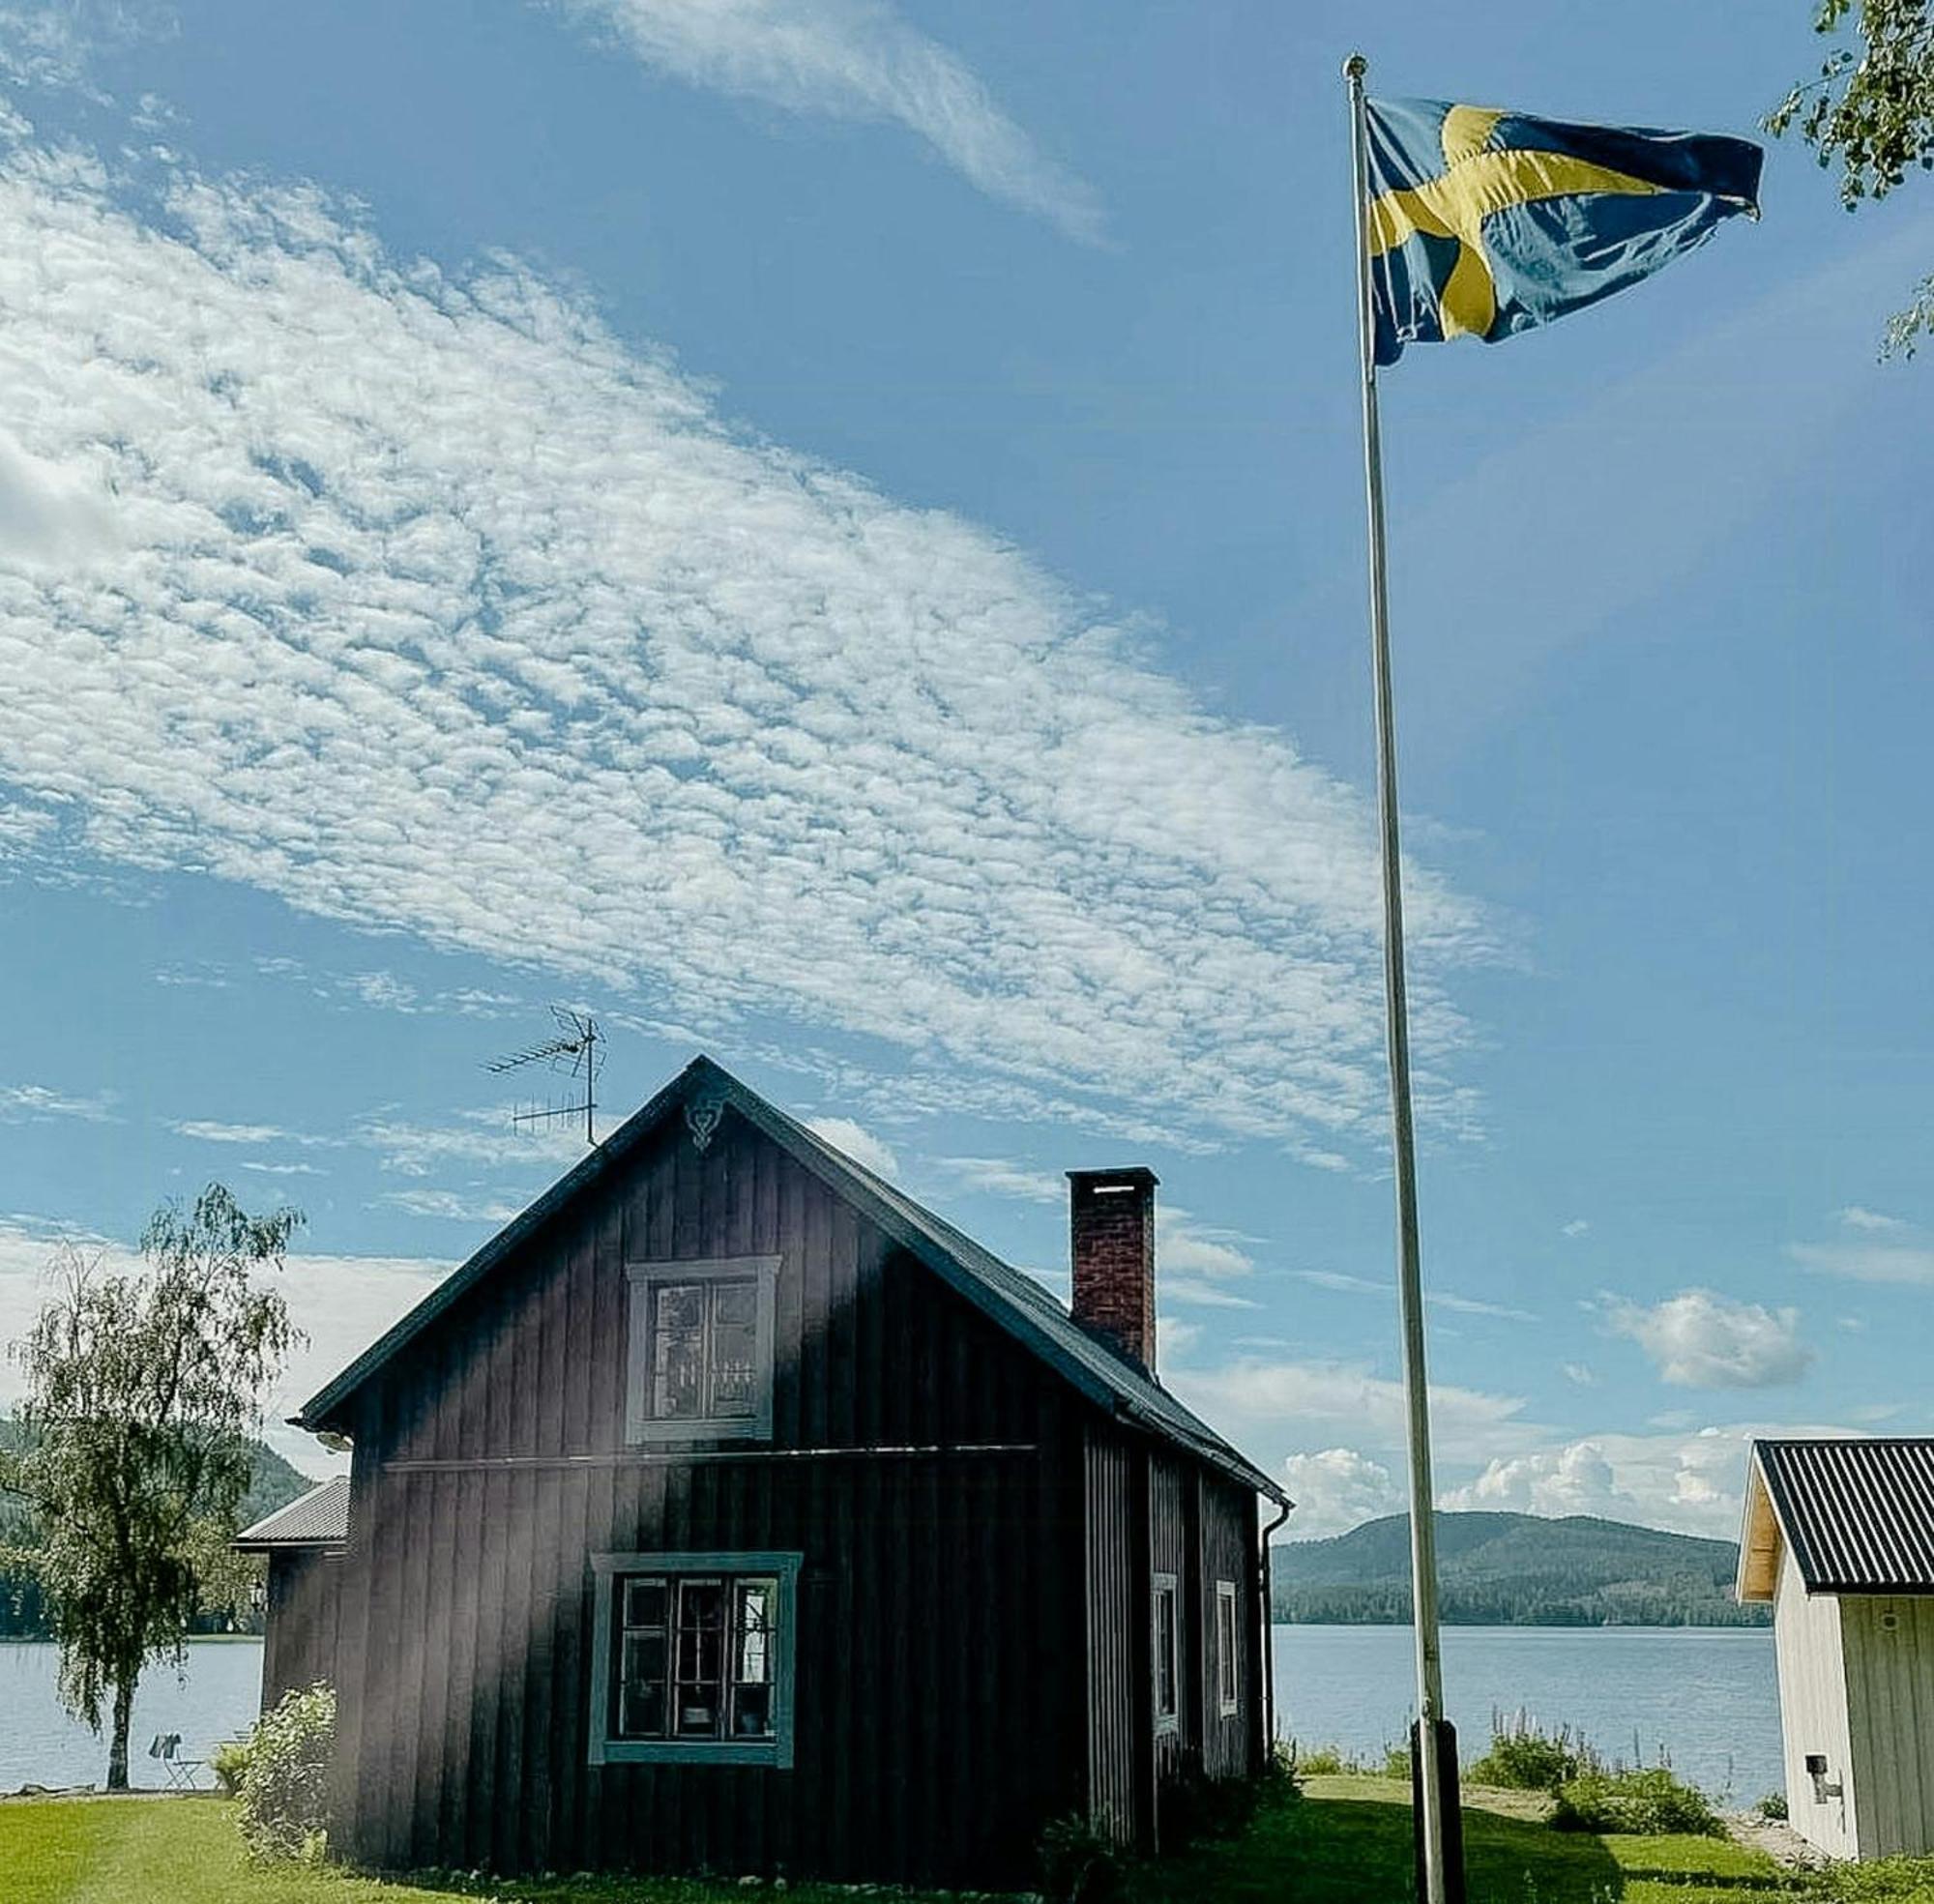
(831, 534)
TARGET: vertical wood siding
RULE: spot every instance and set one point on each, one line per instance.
(1118, 1696)
(1813, 1711)
(298, 1642)
(941, 1647)
(1888, 1645)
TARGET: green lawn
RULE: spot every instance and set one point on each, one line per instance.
(1345, 1841)
(1348, 1841)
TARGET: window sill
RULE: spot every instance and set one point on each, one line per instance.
(773, 1752)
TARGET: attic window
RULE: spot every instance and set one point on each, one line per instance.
(701, 1350)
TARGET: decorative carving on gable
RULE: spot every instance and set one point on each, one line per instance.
(701, 1119)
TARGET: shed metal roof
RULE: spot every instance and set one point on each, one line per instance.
(1857, 1514)
(1014, 1300)
(319, 1519)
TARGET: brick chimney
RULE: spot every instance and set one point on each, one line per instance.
(1111, 1230)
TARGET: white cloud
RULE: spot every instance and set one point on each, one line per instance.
(343, 1303)
(284, 1169)
(1576, 1227)
(1581, 1374)
(455, 1206)
(1700, 1339)
(1175, 1335)
(1336, 1490)
(1255, 1400)
(1196, 1249)
(1190, 1291)
(440, 609)
(853, 59)
(1907, 1263)
(36, 1102)
(858, 1143)
(210, 1130)
(1001, 1176)
(1855, 1217)
(1439, 1299)
(415, 1150)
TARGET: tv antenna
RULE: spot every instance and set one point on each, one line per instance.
(575, 1053)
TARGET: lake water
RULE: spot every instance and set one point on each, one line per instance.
(1708, 1696)
(216, 1696)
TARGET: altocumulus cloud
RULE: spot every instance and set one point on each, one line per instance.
(437, 606)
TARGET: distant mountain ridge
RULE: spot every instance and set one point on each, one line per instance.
(1497, 1569)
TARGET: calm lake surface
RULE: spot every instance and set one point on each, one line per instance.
(1708, 1696)
(38, 1743)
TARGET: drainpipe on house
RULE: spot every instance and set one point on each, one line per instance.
(1269, 1638)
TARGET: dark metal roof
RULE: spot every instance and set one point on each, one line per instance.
(1014, 1300)
(1859, 1514)
(319, 1519)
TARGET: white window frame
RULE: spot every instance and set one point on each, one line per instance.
(1164, 1586)
(641, 1423)
(1229, 1642)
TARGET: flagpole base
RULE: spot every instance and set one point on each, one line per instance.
(1449, 1810)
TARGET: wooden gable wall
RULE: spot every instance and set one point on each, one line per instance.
(940, 1642)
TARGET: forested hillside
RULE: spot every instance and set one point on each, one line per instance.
(1514, 1570)
(272, 1483)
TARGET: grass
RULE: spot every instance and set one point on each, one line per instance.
(1346, 1840)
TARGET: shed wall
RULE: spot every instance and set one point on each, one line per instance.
(1119, 1772)
(1813, 1711)
(299, 1630)
(1890, 1673)
(939, 1639)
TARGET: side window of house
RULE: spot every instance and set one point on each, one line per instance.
(1167, 1653)
(693, 1657)
(1228, 1680)
(701, 1350)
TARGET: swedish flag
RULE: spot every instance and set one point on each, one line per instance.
(1482, 223)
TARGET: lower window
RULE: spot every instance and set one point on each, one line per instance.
(691, 1658)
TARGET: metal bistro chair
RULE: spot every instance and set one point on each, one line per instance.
(181, 1771)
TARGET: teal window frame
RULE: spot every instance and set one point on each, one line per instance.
(606, 1571)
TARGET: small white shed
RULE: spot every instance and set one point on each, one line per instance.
(1839, 1537)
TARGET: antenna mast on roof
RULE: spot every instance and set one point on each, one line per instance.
(575, 1052)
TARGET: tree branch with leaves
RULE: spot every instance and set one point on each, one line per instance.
(1870, 109)
(142, 1394)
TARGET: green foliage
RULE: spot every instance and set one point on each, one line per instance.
(1884, 1881)
(1525, 1758)
(285, 1783)
(229, 1762)
(1397, 1763)
(142, 1391)
(1773, 1808)
(1078, 1865)
(1871, 110)
(1500, 1569)
(1643, 1800)
(1320, 1762)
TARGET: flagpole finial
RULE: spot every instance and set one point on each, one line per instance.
(1355, 67)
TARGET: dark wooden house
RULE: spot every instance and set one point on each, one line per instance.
(303, 1543)
(729, 1511)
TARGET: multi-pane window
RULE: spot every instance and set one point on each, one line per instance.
(701, 1350)
(693, 1655)
(1168, 1652)
(1228, 1682)
(705, 1350)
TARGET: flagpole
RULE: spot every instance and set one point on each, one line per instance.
(1440, 1882)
